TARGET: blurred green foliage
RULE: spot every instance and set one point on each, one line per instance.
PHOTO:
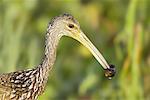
(119, 28)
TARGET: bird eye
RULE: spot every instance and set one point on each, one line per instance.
(71, 26)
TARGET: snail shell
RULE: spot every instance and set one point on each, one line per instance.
(109, 73)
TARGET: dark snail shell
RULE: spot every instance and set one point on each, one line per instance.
(109, 73)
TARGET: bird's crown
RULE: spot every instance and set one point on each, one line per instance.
(65, 16)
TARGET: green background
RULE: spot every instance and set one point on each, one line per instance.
(120, 29)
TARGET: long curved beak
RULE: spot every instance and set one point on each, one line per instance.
(88, 44)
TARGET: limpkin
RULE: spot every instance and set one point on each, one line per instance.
(29, 84)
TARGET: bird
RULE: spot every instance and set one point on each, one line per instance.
(29, 84)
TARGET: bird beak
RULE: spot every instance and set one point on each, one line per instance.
(88, 44)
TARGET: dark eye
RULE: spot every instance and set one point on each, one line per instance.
(71, 26)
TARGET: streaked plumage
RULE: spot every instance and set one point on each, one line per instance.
(29, 84)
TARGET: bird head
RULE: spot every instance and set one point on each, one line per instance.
(67, 25)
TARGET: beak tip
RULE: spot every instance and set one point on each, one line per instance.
(109, 73)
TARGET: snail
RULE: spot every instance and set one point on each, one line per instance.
(110, 72)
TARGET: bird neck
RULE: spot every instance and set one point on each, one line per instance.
(51, 42)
